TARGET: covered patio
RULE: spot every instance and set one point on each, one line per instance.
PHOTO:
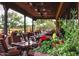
(25, 42)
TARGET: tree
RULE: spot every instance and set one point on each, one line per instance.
(49, 24)
(44, 24)
(1, 22)
(14, 21)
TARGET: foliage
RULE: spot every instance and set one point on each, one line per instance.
(14, 20)
(71, 45)
(45, 47)
(44, 24)
(1, 21)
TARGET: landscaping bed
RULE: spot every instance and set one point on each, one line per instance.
(66, 46)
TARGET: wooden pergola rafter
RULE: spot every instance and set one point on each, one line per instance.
(37, 10)
(59, 10)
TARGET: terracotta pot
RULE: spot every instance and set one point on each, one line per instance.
(59, 41)
(53, 44)
(62, 41)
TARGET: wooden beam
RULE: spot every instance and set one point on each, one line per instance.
(28, 8)
(32, 25)
(15, 7)
(59, 10)
(57, 17)
(24, 24)
(78, 12)
(5, 19)
(44, 18)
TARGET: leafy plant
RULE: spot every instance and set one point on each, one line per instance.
(71, 38)
(71, 46)
(45, 47)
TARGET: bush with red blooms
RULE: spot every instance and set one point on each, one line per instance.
(43, 38)
(69, 45)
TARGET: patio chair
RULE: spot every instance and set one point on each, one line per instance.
(25, 36)
(9, 51)
(15, 38)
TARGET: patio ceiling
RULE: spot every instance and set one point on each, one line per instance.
(46, 10)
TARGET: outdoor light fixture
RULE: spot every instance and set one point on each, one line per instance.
(45, 13)
(30, 3)
(44, 9)
(39, 13)
(36, 9)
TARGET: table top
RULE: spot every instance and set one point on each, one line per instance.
(23, 43)
(1, 39)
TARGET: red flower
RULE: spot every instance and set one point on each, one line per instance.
(43, 38)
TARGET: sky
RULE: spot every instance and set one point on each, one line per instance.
(28, 19)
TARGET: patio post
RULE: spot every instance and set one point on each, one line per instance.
(5, 19)
(78, 12)
(32, 25)
(57, 25)
(60, 9)
(24, 24)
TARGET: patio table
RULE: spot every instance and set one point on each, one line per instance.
(24, 47)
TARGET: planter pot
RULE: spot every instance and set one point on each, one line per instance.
(62, 41)
(59, 42)
(53, 44)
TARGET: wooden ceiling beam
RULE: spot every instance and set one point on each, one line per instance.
(65, 7)
(59, 10)
(14, 7)
(27, 7)
(43, 18)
